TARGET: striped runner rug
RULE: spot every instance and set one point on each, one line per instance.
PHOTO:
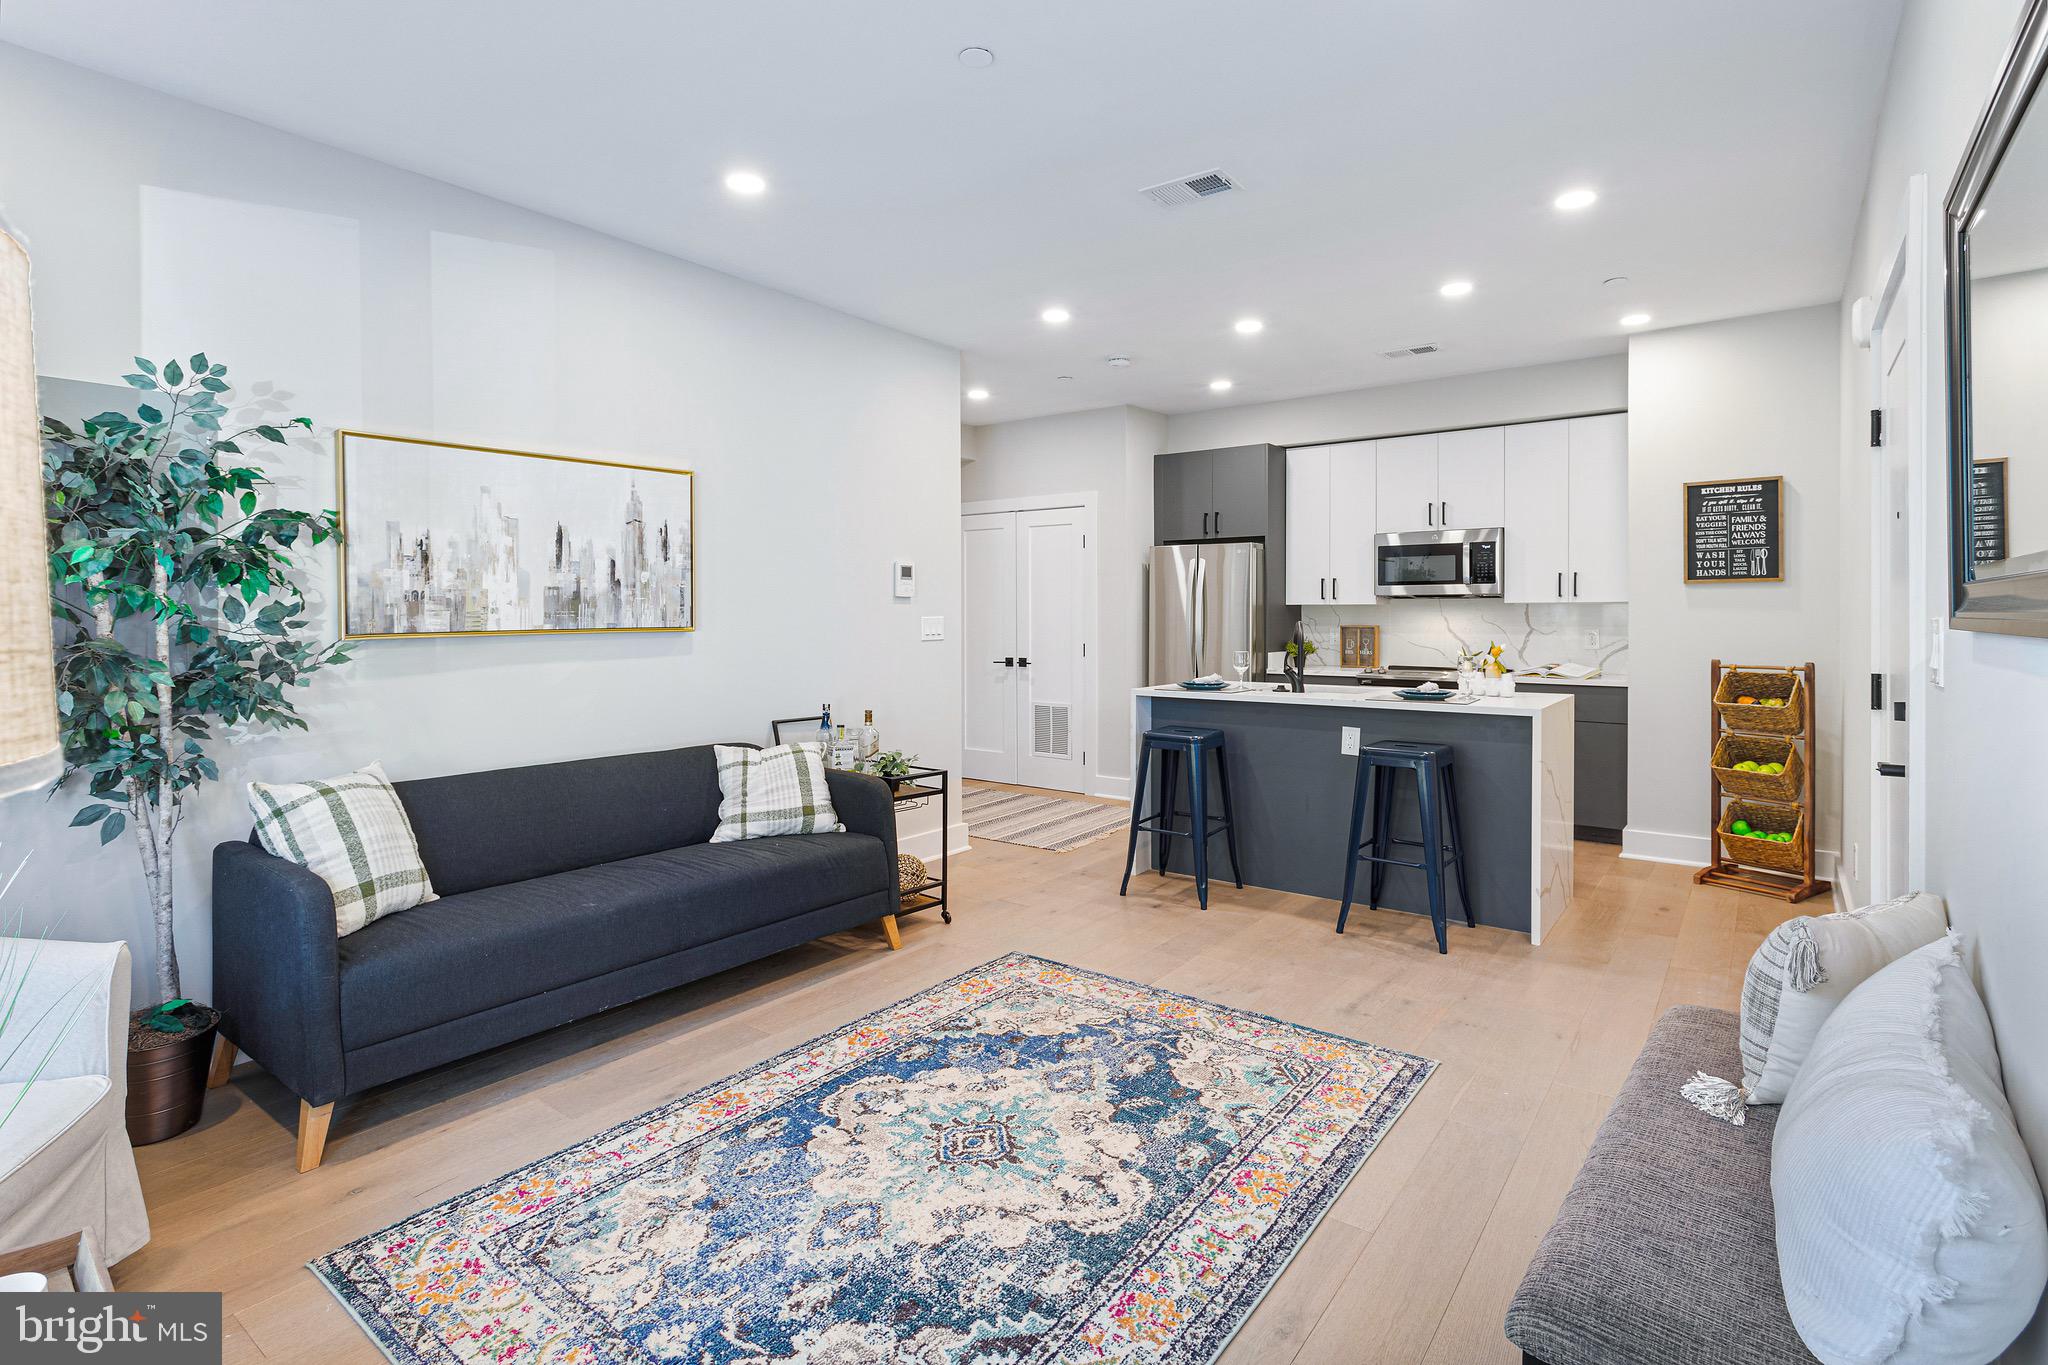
(1049, 822)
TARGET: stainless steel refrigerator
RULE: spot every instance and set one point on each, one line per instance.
(1208, 603)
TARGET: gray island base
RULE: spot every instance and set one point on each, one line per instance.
(1292, 786)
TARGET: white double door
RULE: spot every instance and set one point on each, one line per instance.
(1025, 593)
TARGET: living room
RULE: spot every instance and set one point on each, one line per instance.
(790, 908)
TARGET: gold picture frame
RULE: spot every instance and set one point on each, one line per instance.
(363, 609)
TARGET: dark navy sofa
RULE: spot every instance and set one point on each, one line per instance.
(564, 889)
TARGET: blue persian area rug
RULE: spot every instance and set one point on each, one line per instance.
(1024, 1165)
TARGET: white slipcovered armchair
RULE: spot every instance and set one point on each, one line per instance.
(65, 1162)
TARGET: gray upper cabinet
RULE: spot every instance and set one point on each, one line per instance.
(1229, 494)
(1183, 488)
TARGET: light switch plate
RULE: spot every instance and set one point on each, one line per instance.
(933, 628)
(1937, 651)
(1349, 744)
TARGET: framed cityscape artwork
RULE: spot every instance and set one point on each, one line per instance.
(448, 539)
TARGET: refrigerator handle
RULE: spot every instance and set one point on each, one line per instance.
(1201, 632)
(1195, 615)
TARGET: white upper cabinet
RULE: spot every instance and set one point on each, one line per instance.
(1308, 525)
(1354, 518)
(1469, 477)
(1407, 483)
(1599, 528)
(1538, 529)
(1330, 498)
(1567, 511)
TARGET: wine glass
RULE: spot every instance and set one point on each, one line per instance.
(1242, 662)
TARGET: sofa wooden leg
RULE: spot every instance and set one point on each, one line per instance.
(313, 1123)
(895, 935)
(223, 1062)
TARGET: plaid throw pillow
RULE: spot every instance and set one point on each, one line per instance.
(353, 832)
(772, 791)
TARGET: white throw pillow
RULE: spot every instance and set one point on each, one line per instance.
(1807, 966)
(354, 833)
(1909, 1221)
(772, 791)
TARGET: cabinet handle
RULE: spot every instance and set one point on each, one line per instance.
(1216, 523)
(1575, 582)
(1560, 583)
(1023, 663)
(1322, 594)
(1447, 513)
(1333, 590)
(1432, 514)
(1010, 662)
(1205, 523)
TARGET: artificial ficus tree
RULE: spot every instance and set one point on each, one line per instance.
(177, 614)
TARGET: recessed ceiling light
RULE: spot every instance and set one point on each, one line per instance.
(977, 395)
(1055, 316)
(1456, 289)
(1571, 201)
(749, 183)
(977, 57)
(1219, 386)
(1634, 319)
(1249, 327)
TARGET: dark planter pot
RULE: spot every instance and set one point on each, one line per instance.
(167, 1084)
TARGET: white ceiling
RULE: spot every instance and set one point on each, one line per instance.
(1384, 146)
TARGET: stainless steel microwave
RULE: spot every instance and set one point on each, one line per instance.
(1437, 563)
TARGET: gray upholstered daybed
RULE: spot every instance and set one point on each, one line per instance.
(1665, 1249)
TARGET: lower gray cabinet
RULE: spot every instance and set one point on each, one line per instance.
(1599, 757)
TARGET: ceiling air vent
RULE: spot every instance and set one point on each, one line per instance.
(1426, 348)
(1174, 193)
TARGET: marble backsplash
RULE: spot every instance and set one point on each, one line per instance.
(1531, 635)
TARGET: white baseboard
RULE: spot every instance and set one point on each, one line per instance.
(1696, 850)
(1657, 846)
(1112, 785)
(925, 843)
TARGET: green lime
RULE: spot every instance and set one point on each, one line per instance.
(1739, 827)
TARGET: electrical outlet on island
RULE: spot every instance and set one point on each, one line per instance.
(1592, 639)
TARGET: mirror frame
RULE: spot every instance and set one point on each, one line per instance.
(2015, 604)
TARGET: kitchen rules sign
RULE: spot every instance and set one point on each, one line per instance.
(1735, 531)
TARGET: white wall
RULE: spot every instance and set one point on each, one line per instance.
(1754, 396)
(1988, 727)
(1529, 394)
(825, 448)
(1106, 452)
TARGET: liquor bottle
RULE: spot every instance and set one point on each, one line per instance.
(870, 740)
(824, 739)
(842, 749)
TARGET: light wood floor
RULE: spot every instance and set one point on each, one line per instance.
(1414, 1263)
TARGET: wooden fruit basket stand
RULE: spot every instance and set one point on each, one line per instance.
(1778, 802)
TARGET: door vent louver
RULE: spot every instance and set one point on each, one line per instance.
(1050, 731)
(1426, 348)
(1188, 189)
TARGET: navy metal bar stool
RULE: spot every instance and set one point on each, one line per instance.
(1436, 789)
(1197, 746)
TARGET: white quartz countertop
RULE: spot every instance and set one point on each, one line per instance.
(1352, 696)
(1604, 680)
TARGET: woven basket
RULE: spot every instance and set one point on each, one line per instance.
(1789, 719)
(1733, 749)
(1765, 853)
(911, 873)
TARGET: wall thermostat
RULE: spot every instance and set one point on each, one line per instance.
(905, 578)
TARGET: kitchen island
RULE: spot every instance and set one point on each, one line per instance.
(1292, 787)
